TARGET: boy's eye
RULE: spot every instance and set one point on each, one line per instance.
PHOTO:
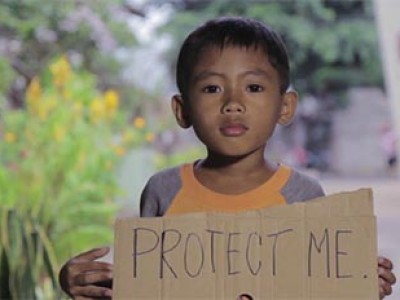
(254, 88)
(212, 89)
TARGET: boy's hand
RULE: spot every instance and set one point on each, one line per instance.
(386, 276)
(84, 278)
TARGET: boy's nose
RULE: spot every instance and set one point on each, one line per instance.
(233, 108)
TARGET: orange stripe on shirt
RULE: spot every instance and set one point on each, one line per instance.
(194, 197)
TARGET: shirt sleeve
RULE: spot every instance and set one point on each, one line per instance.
(148, 202)
(159, 192)
(301, 187)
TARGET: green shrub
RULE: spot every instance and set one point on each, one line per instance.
(57, 181)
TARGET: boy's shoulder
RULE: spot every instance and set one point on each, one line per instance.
(166, 177)
(301, 187)
(159, 191)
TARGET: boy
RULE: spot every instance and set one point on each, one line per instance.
(233, 76)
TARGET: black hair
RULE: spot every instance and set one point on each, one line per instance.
(231, 31)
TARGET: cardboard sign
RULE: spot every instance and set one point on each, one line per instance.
(321, 249)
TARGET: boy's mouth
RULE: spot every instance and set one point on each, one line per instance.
(233, 130)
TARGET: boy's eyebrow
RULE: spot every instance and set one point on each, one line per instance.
(206, 74)
(256, 72)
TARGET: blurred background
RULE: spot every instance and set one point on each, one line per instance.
(85, 116)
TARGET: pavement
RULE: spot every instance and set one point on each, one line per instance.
(386, 193)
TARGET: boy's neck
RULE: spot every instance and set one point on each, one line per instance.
(233, 164)
(233, 175)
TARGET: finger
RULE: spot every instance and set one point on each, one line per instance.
(82, 267)
(91, 292)
(92, 278)
(92, 254)
(381, 293)
(386, 287)
(79, 270)
(384, 262)
(387, 275)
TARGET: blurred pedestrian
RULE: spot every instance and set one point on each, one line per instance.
(388, 143)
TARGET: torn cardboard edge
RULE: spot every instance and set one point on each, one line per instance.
(321, 249)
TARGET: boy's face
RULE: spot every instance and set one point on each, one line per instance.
(234, 101)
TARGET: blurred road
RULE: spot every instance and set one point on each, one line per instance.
(387, 209)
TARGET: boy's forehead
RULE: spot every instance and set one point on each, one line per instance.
(215, 53)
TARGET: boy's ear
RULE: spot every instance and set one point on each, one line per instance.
(180, 111)
(288, 107)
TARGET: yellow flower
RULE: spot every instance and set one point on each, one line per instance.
(77, 109)
(97, 109)
(66, 93)
(119, 150)
(61, 70)
(150, 137)
(33, 94)
(139, 122)
(59, 133)
(42, 112)
(111, 99)
(34, 90)
(10, 137)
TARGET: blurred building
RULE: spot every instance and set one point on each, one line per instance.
(388, 22)
(356, 148)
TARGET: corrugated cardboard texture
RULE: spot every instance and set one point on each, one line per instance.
(322, 249)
